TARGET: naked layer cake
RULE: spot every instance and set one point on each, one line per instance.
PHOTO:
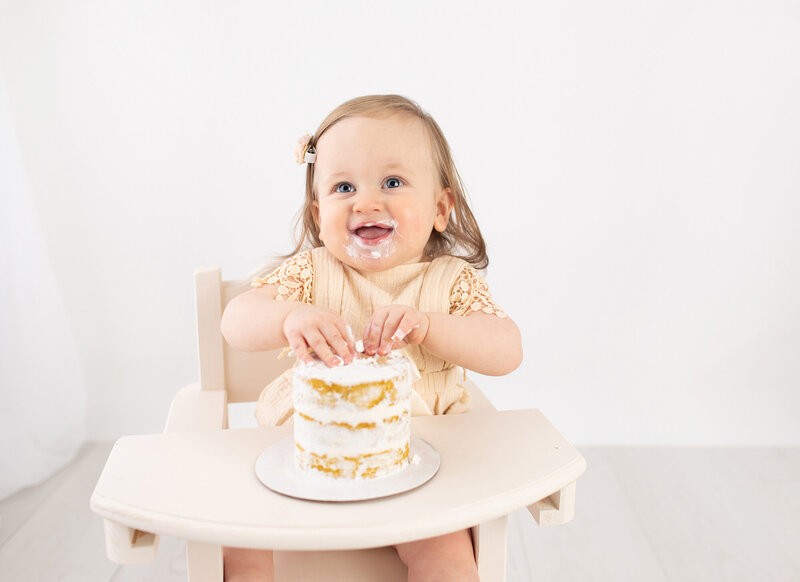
(353, 421)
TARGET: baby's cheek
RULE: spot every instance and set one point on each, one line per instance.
(323, 233)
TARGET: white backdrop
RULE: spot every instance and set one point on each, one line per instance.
(633, 166)
(42, 392)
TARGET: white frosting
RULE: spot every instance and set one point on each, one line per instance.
(359, 249)
(360, 371)
(335, 440)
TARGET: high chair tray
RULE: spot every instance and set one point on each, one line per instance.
(201, 486)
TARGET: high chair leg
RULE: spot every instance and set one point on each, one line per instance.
(489, 543)
(203, 562)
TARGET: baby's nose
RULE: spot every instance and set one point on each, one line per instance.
(368, 200)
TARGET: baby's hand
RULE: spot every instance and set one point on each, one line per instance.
(394, 326)
(322, 330)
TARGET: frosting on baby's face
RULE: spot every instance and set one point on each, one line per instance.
(372, 240)
(377, 191)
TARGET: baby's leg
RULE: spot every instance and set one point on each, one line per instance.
(444, 558)
(243, 565)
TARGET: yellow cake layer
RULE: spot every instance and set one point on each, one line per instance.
(361, 466)
(366, 395)
(359, 426)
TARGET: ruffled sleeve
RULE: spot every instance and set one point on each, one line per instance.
(470, 293)
(294, 278)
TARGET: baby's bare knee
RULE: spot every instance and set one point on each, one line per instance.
(447, 557)
(245, 565)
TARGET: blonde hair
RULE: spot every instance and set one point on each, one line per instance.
(461, 238)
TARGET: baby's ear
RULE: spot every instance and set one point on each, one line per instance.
(444, 205)
(315, 212)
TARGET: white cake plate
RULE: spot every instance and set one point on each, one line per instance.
(277, 469)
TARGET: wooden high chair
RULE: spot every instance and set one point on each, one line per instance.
(196, 481)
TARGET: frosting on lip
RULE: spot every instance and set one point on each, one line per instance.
(384, 223)
(373, 239)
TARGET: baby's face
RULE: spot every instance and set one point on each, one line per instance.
(378, 193)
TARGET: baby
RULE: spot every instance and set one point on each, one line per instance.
(391, 251)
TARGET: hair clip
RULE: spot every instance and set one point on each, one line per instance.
(303, 151)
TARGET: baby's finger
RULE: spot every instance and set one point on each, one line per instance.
(337, 342)
(350, 337)
(406, 326)
(372, 334)
(320, 346)
(389, 332)
(299, 347)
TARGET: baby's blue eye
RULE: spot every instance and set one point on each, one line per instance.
(345, 188)
(393, 183)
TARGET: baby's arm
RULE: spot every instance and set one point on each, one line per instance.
(255, 321)
(480, 342)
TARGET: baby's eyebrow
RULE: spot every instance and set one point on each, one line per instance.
(398, 166)
(337, 175)
(386, 167)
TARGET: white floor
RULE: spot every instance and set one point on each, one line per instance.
(643, 514)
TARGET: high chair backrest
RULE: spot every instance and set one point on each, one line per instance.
(243, 375)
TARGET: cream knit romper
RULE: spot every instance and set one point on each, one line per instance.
(355, 296)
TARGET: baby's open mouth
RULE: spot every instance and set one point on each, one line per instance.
(373, 233)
